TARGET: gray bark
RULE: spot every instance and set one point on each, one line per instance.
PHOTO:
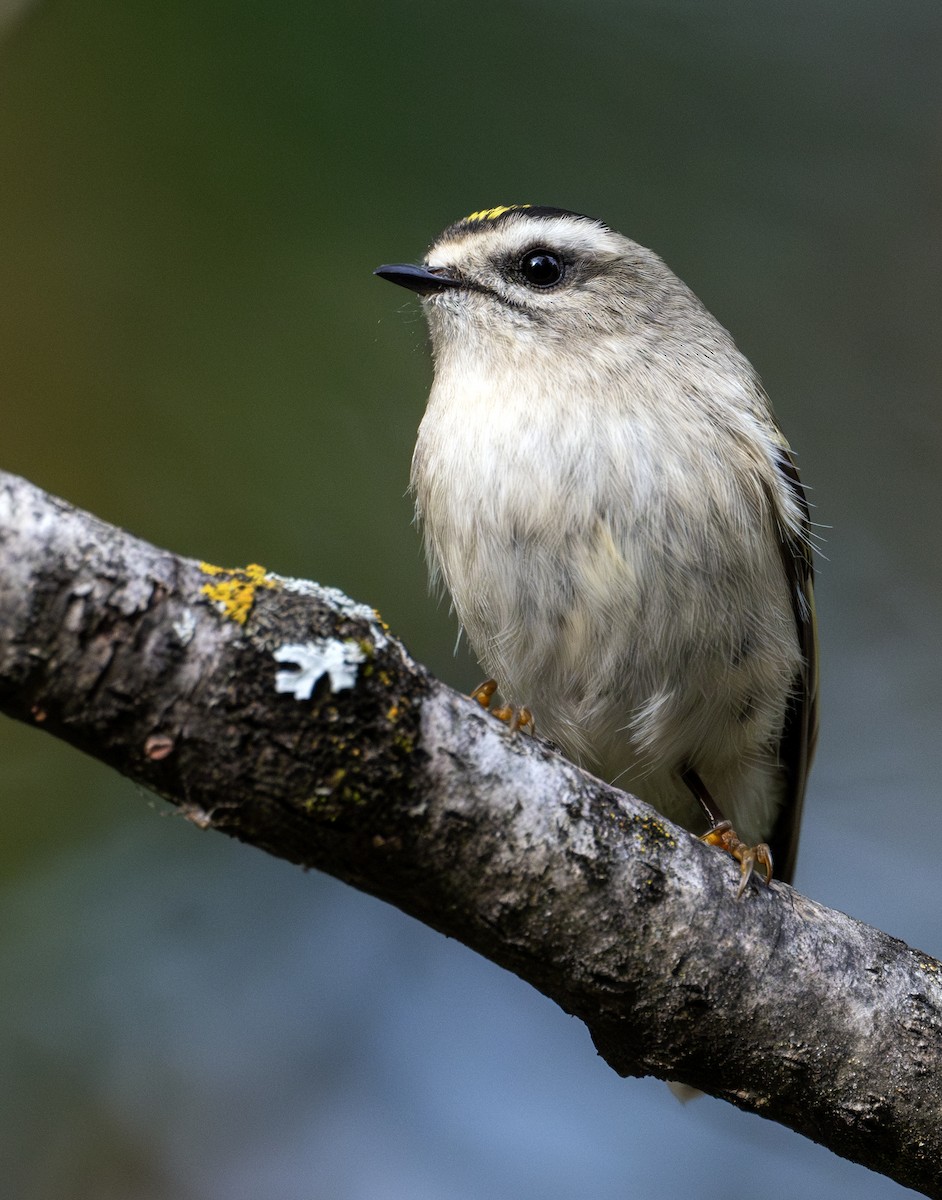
(284, 714)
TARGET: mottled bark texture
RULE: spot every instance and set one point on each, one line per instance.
(283, 714)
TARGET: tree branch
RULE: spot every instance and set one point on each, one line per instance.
(283, 714)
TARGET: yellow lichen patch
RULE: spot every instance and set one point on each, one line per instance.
(233, 593)
(650, 829)
(491, 214)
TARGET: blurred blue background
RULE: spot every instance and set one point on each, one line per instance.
(192, 197)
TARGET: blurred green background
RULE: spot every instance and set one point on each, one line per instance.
(192, 197)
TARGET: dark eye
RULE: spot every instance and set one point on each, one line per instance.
(541, 268)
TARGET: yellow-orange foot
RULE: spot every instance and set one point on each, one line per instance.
(748, 857)
(516, 718)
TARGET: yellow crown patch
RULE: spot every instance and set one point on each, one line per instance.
(491, 214)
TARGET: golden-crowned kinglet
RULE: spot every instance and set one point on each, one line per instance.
(606, 495)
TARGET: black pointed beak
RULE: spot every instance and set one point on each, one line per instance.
(417, 279)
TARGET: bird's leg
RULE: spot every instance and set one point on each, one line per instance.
(723, 835)
(516, 718)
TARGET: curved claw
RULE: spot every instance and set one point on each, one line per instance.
(516, 718)
(725, 837)
(484, 692)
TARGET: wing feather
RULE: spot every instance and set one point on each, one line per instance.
(800, 730)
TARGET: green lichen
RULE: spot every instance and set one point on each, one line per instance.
(404, 742)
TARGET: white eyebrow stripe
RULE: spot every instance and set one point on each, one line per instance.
(565, 234)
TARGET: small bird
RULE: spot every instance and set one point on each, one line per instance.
(605, 493)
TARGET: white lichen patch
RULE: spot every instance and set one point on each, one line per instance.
(184, 627)
(337, 600)
(313, 660)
